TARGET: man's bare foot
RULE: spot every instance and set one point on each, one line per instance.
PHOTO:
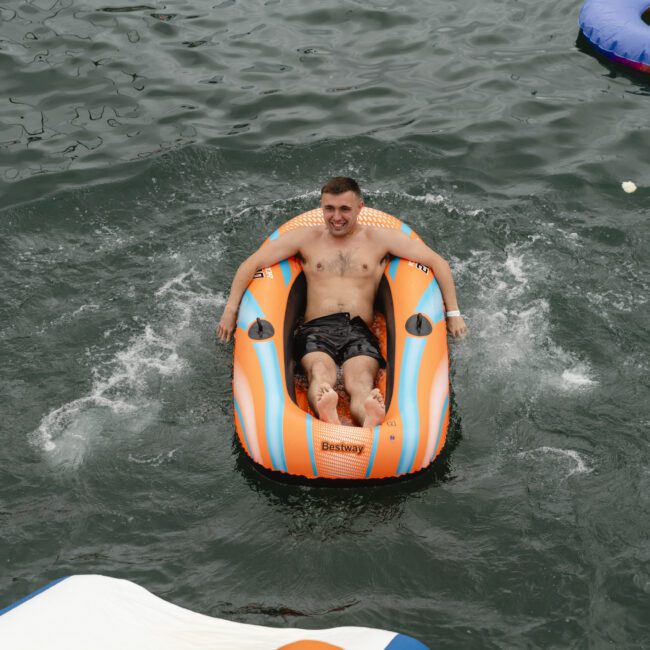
(375, 408)
(326, 400)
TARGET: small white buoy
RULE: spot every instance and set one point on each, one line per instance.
(628, 186)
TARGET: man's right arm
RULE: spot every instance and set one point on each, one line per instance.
(267, 255)
(401, 245)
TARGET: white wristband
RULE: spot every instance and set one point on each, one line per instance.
(454, 312)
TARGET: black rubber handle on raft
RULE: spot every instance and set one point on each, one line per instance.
(260, 330)
(418, 325)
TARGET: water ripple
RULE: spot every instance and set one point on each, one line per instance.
(88, 87)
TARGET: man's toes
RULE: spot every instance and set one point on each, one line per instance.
(323, 389)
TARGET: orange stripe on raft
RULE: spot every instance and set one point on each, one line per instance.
(445, 430)
(247, 358)
(245, 399)
(367, 217)
(296, 448)
(389, 449)
(438, 395)
(423, 392)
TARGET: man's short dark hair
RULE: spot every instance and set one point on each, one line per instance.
(340, 185)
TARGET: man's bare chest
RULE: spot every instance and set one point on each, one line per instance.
(353, 263)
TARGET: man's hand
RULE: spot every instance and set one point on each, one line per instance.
(456, 326)
(227, 324)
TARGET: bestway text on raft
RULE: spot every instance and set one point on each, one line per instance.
(341, 446)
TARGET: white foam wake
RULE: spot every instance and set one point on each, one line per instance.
(511, 336)
(450, 206)
(579, 467)
(125, 389)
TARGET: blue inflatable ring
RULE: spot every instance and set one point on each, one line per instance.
(618, 31)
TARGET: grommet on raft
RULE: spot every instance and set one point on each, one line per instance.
(619, 31)
(271, 412)
(94, 612)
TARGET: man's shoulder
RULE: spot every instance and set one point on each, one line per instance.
(306, 233)
(310, 233)
(385, 240)
(378, 234)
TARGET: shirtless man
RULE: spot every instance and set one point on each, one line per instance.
(343, 262)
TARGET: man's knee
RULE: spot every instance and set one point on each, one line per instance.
(359, 376)
(319, 368)
(322, 369)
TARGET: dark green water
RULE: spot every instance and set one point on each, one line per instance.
(145, 153)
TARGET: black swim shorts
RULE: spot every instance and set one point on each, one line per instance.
(339, 336)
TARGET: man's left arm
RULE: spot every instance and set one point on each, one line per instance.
(400, 244)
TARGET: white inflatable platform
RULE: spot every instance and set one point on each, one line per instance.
(92, 612)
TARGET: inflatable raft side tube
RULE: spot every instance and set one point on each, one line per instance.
(310, 444)
(373, 452)
(274, 398)
(408, 402)
(295, 308)
(618, 31)
(271, 415)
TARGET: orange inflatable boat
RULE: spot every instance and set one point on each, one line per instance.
(272, 416)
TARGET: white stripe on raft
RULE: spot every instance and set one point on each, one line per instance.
(244, 396)
(438, 397)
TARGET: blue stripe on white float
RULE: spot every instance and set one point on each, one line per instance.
(408, 401)
(274, 401)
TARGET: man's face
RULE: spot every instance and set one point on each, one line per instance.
(340, 212)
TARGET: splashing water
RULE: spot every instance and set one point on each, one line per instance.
(580, 465)
(124, 393)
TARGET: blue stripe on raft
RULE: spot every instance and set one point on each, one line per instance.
(249, 310)
(431, 303)
(445, 406)
(408, 401)
(310, 444)
(243, 426)
(286, 271)
(275, 235)
(373, 453)
(406, 229)
(274, 400)
(30, 596)
(403, 642)
(392, 267)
